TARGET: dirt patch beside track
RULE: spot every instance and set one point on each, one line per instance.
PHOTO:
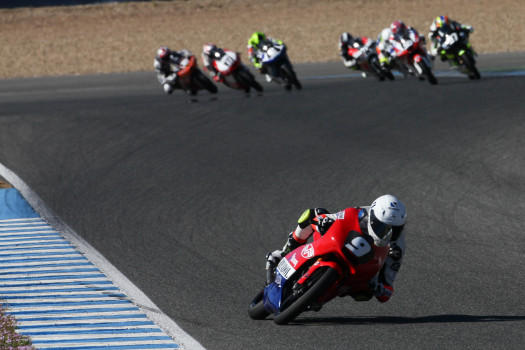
(123, 37)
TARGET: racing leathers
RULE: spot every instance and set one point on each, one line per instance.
(434, 36)
(207, 59)
(167, 69)
(381, 286)
(385, 48)
(352, 51)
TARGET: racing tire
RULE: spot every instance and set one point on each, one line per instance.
(471, 66)
(256, 309)
(290, 77)
(373, 63)
(317, 285)
(249, 80)
(205, 82)
(429, 75)
(389, 75)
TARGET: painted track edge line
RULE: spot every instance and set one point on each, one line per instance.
(184, 340)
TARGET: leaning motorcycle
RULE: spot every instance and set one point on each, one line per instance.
(368, 61)
(339, 263)
(412, 57)
(275, 61)
(192, 79)
(455, 48)
(234, 73)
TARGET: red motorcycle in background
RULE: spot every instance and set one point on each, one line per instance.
(339, 263)
(192, 79)
(367, 59)
(234, 73)
(412, 57)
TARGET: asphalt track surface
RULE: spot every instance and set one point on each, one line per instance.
(186, 198)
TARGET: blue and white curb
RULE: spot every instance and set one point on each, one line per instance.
(63, 293)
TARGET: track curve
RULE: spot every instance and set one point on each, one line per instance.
(186, 198)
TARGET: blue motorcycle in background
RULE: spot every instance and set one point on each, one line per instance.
(277, 65)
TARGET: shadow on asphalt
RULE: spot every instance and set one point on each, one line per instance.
(408, 320)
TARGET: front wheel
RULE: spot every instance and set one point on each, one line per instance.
(290, 76)
(256, 309)
(205, 82)
(468, 60)
(314, 288)
(373, 63)
(428, 74)
(246, 78)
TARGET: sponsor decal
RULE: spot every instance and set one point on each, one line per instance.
(294, 261)
(308, 251)
(285, 269)
(341, 215)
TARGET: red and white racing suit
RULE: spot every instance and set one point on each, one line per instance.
(382, 285)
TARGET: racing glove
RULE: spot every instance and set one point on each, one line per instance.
(275, 256)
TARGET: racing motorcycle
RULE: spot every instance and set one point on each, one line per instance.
(192, 79)
(454, 47)
(275, 61)
(412, 57)
(368, 62)
(339, 263)
(234, 73)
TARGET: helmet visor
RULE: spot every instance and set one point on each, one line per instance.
(381, 229)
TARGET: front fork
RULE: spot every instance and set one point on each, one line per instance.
(270, 271)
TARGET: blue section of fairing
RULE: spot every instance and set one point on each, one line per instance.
(276, 59)
(273, 293)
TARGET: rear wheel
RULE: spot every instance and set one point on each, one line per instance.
(256, 309)
(315, 287)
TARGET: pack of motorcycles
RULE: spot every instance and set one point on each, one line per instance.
(414, 60)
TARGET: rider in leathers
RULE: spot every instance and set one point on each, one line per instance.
(254, 48)
(384, 221)
(167, 63)
(351, 49)
(208, 56)
(390, 40)
(440, 22)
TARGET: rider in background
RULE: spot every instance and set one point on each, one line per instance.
(384, 221)
(167, 64)
(350, 49)
(208, 56)
(255, 43)
(441, 22)
(390, 41)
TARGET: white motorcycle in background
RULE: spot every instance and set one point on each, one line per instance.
(233, 72)
(275, 61)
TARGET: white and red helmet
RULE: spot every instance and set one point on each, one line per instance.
(209, 49)
(398, 27)
(387, 216)
(163, 53)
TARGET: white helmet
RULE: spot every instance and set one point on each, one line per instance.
(387, 214)
(209, 49)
